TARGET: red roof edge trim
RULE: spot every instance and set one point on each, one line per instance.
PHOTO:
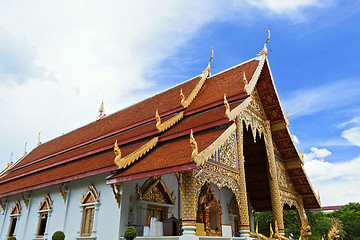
(158, 172)
(59, 181)
(100, 138)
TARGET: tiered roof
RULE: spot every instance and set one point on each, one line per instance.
(88, 151)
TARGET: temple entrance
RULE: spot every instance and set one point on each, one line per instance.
(256, 170)
(157, 212)
(209, 214)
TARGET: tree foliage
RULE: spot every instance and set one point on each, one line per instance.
(349, 215)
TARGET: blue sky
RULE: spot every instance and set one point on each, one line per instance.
(58, 61)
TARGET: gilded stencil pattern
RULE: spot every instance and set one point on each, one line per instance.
(227, 153)
(281, 174)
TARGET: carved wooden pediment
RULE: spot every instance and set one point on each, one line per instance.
(16, 209)
(91, 196)
(46, 203)
(155, 190)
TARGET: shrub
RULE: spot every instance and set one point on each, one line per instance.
(130, 233)
(11, 238)
(58, 235)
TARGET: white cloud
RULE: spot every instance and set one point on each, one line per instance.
(352, 135)
(285, 6)
(337, 182)
(334, 95)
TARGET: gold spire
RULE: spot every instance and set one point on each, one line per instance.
(264, 51)
(39, 142)
(11, 162)
(194, 146)
(101, 110)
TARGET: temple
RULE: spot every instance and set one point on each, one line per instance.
(195, 161)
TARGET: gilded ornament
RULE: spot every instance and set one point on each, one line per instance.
(3, 206)
(245, 84)
(206, 154)
(9, 164)
(265, 51)
(206, 73)
(25, 152)
(132, 157)
(101, 111)
(170, 122)
(334, 232)
(93, 192)
(63, 193)
(116, 192)
(155, 190)
(26, 201)
(47, 202)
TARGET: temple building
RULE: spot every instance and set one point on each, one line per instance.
(199, 158)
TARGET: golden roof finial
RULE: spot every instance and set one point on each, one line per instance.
(227, 106)
(245, 83)
(39, 142)
(264, 51)
(11, 162)
(208, 69)
(193, 145)
(101, 110)
(25, 149)
(302, 155)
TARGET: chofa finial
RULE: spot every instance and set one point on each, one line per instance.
(101, 110)
(208, 69)
(245, 83)
(11, 162)
(265, 51)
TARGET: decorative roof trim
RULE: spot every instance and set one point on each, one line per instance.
(144, 192)
(132, 157)
(168, 123)
(91, 190)
(206, 73)
(202, 157)
(264, 51)
(231, 114)
(47, 201)
(251, 85)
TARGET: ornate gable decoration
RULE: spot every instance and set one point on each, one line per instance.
(221, 142)
(91, 196)
(155, 190)
(16, 209)
(46, 203)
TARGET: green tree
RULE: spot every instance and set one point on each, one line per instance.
(349, 215)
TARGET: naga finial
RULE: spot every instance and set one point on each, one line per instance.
(158, 119)
(101, 110)
(227, 106)
(182, 97)
(117, 151)
(193, 145)
(39, 142)
(245, 83)
(302, 155)
(208, 69)
(265, 51)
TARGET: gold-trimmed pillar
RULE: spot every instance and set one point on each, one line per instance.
(277, 207)
(243, 203)
(189, 204)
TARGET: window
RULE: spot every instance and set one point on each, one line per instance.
(13, 222)
(89, 206)
(42, 224)
(88, 221)
(44, 216)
